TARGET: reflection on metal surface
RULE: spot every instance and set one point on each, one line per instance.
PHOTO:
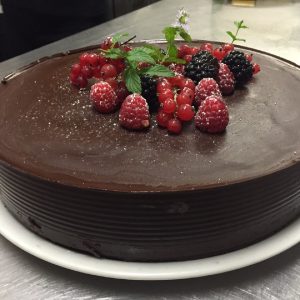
(249, 3)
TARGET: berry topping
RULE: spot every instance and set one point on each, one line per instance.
(207, 47)
(186, 96)
(239, 66)
(205, 88)
(169, 106)
(108, 71)
(149, 87)
(80, 81)
(228, 47)
(219, 53)
(249, 57)
(256, 68)
(103, 97)
(185, 112)
(225, 80)
(164, 95)
(163, 118)
(212, 115)
(134, 112)
(174, 126)
(203, 65)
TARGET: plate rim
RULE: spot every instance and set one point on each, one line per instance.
(23, 238)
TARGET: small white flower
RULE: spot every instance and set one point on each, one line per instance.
(182, 19)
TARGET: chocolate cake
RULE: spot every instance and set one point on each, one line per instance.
(78, 179)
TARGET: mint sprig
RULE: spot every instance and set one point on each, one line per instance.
(239, 25)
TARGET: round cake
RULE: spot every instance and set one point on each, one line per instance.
(77, 178)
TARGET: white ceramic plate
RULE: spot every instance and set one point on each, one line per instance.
(15, 232)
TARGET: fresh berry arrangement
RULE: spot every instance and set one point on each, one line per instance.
(178, 84)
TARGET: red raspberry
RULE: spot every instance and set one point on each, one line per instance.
(185, 112)
(193, 51)
(225, 80)
(212, 115)
(134, 112)
(205, 88)
(174, 126)
(108, 71)
(163, 118)
(177, 68)
(256, 68)
(103, 97)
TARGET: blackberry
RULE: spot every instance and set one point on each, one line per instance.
(149, 91)
(202, 65)
(239, 66)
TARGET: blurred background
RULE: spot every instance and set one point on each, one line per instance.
(29, 24)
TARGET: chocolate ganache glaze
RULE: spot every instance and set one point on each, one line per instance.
(77, 178)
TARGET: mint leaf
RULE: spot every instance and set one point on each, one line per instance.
(185, 35)
(158, 70)
(153, 51)
(172, 50)
(133, 80)
(175, 60)
(231, 34)
(115, 53)
(139, 55)
(118, 37)
(170, 33)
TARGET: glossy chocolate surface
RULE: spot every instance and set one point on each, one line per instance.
(77, 178)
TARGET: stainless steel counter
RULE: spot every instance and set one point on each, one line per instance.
(274, 27)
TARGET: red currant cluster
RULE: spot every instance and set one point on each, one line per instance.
(176, 95)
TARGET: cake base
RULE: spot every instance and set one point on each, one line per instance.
(23, 238)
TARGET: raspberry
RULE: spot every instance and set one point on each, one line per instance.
(225, 80)
(256, 68)
(183, 50)
(163, 118)
(185, 112)
(134, 112)
(174, 126)
(239, 66)
(212, 115)
(205, 88)
(103, 97)
(108, 71)
(177, 68)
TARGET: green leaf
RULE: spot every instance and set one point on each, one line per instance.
(118, 37)
(244, 26)
(133, 81)
(170, 33)
(139, 55)
(172, 50)
(185, 35)
(158, 70)
(153, 51)
(242, 40)
(175, 60)
(231, 34)
(115, 53)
